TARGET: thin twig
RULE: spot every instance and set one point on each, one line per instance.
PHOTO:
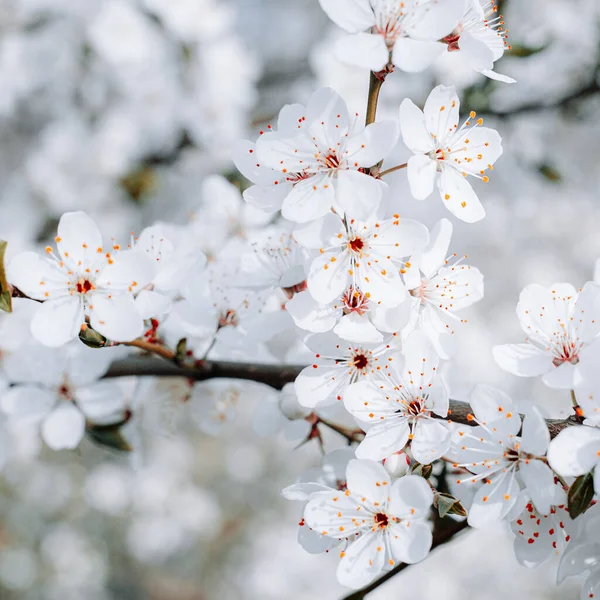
(375, 84)
(396, 168)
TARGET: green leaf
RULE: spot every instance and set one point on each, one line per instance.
(110, 436)
(422, 470)
(581, 494)
(180, 352)
(90, 337)
(524, 51)
(448, 505)
(5, 291)
(550, 173)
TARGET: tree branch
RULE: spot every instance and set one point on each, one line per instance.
(275, 376)
(440, 536)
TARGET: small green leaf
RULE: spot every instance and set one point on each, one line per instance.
(581, 494)
(448, 505)
(422, 470)
(550, 173)
(524, 51)
(90, 337)
(5, 291)
(180, 352)
(110, 436)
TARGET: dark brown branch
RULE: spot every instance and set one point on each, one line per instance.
(441, 535)
(275, 376)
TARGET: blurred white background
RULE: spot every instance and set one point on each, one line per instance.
(121, 108)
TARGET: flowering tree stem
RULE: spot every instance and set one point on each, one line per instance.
(275, 376)
(396, 168)
(375, 84)
(445, 530)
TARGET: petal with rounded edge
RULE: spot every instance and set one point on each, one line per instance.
(365, 50)
(63, 428)
(574, 451)
(459, 197)
(57, 322)
(414, 131)
(414, 56)
(79, 240)
(115, 317)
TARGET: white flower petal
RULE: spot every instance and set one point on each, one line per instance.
(535, 436)
(442, 110)
(574, 451)
(37, 276)
(64, 427)
(477, 53)
(319, 384)
(309, 199)
(357, 194)
(328, 276)
(308, 314)
(431, 440)
(563, 377)
(102, 402)
(116, 317)
(434, 21)
(326, 117)
(381, 440)
(434, 256)
(57, 322)
(152, 304)
(493, 501)
(128, 271)
(268, 198)
(414, 56)
(357, 328)
(351, 15)
(459, 197)
(490, 404)
(410, 497)
(78, 238)
(414, 131)
(362, 562)
(421, 172)
(245, 158)
(539, 482)
(363, 50)
(368, 479)
(577, 559)
(410, 544)
(27, 403)
(372, 144)
(524, 360)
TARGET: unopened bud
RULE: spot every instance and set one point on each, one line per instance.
(397, 464)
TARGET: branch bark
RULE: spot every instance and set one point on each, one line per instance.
(275, 376)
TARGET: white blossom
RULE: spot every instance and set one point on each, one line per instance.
(496, 455)
(367, 255)
(85, 280)
(337, 365)
(446, 154)
(562, 326)
(387, 521)
(405, 33)
(439, 288)
(313, 161)
(397, 410)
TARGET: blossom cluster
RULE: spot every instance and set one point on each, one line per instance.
(312, 263)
